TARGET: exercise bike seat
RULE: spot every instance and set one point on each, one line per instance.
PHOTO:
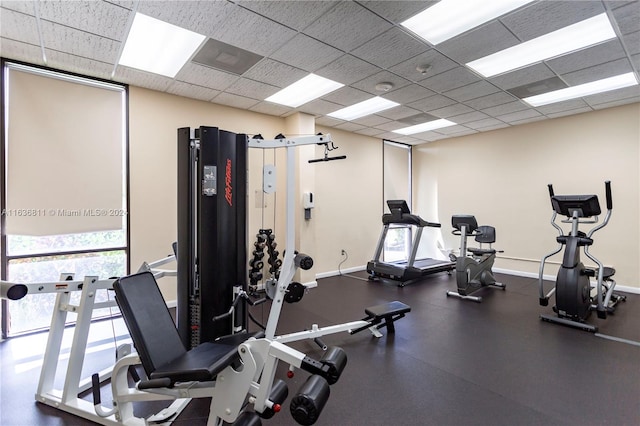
(485, 234)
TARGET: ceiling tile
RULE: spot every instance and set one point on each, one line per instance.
(569, 112)
(469, 117)
(27, 7)
(616, 103)
(505, 108)
(371, 120)
(519, 115)
(78, 64)
(205, 76)
(234, 100)
(398, 112)
(390, 136)
(483, 124)
(346, 96)
(21, 51)
(347, 26)
(391, 125)
(407, 139)
(397, 11)
(97, 17)
(543, 17)
(431, 103)
(347, 69)
(485, 40)
(527, 75)
(18, 26)
(306, 53)
(452, 79)
(370, 131)
(456, 130)
(562, 106)
(626, 93)
(328, 121)
(437, 62)
(319, 107)
(251, 89)
(79, 43)
(390, 48)
(632, 42)
(270, 108)
(274, 73)
(350, 127)
(142, 79)
(408, 94)
(295, 14)
(628, 18)
(493, 99)
(609, 69)
(192, 91)
(223, 21)
(585, 58)
(369, 84)
(450, 111)
(471, 91)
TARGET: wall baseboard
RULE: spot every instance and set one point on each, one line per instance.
(622, 288)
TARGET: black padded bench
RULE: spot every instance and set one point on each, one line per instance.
(155, 337)
(383, 315)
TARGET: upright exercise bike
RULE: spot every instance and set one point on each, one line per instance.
(473, 272)
(574, 302)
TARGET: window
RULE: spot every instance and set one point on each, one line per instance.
(397, 186)
(64, 185)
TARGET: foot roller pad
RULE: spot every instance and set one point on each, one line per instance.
(383, 315)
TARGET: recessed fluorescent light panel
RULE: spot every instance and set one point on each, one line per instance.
(599, 86)
(158, 47)
(425, 127)
(565, 40)
(304, 90)
(448, 18)
(370, 106)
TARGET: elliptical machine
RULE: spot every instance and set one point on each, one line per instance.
(473, 272)
(574, 302)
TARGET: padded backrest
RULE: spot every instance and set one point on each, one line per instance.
(487, 234)
(147, 317)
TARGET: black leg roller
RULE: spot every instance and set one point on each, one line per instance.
(307, 405)
(330, 365)
(279, 392)
(248, 418)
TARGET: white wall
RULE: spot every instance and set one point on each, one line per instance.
(501, 177)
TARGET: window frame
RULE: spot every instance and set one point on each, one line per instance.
(5, 258)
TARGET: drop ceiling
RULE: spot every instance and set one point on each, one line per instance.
(357, 43)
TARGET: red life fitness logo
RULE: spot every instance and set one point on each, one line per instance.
(228, 195)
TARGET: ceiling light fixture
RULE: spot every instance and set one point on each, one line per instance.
(304, 90)
(425, 127)
(560, 42)
(158, 47)
(370, 106)
(448, 18)
(598, 86)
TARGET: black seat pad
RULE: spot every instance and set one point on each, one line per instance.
(201, 363)
(387, 309)
(480, 252)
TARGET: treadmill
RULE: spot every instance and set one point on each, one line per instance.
(410, 269)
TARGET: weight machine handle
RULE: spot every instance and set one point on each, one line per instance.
(607, 185)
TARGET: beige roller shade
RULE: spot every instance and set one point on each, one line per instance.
(65, 155)
(397, 172)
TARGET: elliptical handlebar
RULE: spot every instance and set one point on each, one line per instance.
(607, 186)
(551, 194)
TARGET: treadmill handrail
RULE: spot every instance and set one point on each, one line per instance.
(408, 219)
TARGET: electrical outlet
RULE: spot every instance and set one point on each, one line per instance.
(343, 252)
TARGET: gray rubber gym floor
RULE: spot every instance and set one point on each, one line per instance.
(450, 362)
